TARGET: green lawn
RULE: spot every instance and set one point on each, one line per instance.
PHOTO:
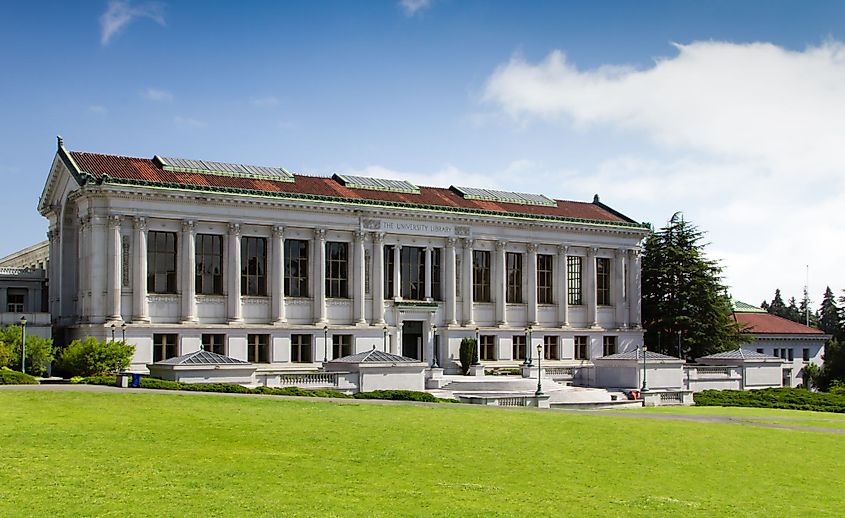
(69, 453)
(742, 412)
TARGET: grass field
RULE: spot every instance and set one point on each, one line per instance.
(71, 453)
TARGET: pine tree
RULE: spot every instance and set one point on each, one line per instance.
(808, 317)
(682, 291)
(792, 311)
(765, 305)
(830, 316)
(777, 307)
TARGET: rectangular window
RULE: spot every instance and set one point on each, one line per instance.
(513, 265)
(412, 274)
(602, 281)
(124, 262)
(573, 280)
(300, 348)
(388, 271)
(608, 345)
(164, 347)
(791, 355)
(337, 270)
(161, 262)
(545, 278)
(367, 266)
(209, 259)
(480, 276)
(760, 350)
(16, 300)
(341, 346)
(214, 343)
(436, 292)
(258, 348)
(253, 266)
(805, 354)
(518, 347)
(551, 348)
(488, 347)
(582, 347)
(296, 268)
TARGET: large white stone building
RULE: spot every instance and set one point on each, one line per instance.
(286, 270)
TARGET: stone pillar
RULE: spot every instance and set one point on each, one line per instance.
(469, 320)
(451, 283)
(500, 284)
(53, 276)
(83, 246)
(234, 270)
(115, 269)
(590, 287)
(397, 271)
(320, 276)
(563, 283)
(428, 273)
(378, 278)
(277, 286)
(359, 298)
(189, 271)
(98, 268)
(617, 291)
(634, 295)
(141, 308)
(532, 284)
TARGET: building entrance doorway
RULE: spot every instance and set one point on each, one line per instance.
(412, 334)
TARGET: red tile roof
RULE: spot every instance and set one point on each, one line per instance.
(766, 323)
(135, 170)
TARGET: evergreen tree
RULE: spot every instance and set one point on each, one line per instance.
(682, 291)
(765, 305)
(830, 316)
(792, 311)
(806, 313)
(777, 307)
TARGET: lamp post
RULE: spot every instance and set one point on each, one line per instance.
(645, 385)
(529, 362)
(539, 371)
(123, 332)
(679, 344)
(112, 333)
(325, 343)
(434, 363)
(477, 348)
(384, 339)
(23, 344)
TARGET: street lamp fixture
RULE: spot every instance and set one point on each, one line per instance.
(645, 385)
(325, 343)
(384, 339)
(434, 364)
(23, 344)
(539, 371)
(679, 345)
(529, 361)
(123, 332)
(112, 332)
(477, 347)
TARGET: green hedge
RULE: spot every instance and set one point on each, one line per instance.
(397, 395)
(10, 377)
(788, 398)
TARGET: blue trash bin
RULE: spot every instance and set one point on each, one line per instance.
(136, 380)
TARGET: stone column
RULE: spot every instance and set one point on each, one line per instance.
(397, 271)
(115, 269)
(469, 319)
(378, 278)
(590, 286)
(83, 246)
(451, 283)
(501, 284)
(234, 270)
(617, 291)
(141, 308)
(428, 273)
(320, 276)
(532, 284)
(54, 279)
(563, 284)
(97, 271)
(634, 295)
(359, 298)
(277, 287)
(189, 272)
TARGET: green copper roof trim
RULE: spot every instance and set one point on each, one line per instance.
(744, 307)
(232, 174)
(375, 203)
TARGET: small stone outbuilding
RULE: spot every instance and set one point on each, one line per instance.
(378, 370)
(204, 367)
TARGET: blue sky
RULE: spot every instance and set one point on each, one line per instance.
(728, 111)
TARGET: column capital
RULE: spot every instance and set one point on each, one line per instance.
(278, 231)
(320, 234)
(562, 249)
(501, 245)
(378, 237)
(235, 229)
(592, 250)
(532, 247)
(360, 235)
(451, 241)
(140, 223)
(114, 220)
(468, 243)
(620, 252)
(188, 225)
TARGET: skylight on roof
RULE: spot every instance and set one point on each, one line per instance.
(521, 198)
(278, 174)
(376, 184)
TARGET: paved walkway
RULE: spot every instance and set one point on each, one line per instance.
(720, 419)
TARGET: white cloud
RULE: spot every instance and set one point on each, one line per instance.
(155, 94)
(746, 142)
(120, 13)
(412, 7)
(266, 102)
(189, 122)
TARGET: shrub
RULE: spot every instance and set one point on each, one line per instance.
(92, 357)
(155, 383)
(467, 354)
(10, 377)
(397, 395)
(789, 398)
(95, 380)
(39, 351)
